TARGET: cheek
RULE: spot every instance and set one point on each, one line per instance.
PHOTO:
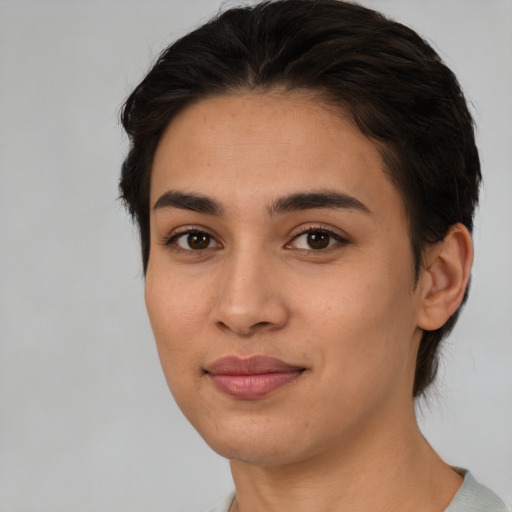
(355, 298)
(174, 309)
(174, 301)
(362, 322)
(172, 322)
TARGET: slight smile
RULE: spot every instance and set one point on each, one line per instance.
(251, 378)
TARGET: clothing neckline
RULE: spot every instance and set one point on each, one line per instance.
(470, 497)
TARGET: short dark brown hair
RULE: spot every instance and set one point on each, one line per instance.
(392, 83)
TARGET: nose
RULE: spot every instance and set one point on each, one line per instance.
(250, 297)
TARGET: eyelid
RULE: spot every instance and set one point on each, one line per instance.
(342, 238)
(170, 239)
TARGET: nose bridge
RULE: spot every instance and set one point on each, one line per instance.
(249, 297)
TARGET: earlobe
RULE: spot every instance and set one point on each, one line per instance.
(444, 277)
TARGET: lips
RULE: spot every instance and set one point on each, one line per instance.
(251, 378)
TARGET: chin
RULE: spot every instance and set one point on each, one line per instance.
(257, 442)
(256, 454)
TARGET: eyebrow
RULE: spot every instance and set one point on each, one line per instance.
(189, 201)
(313, 200)
(295, 202)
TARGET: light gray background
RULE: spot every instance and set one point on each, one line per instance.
(86, 420)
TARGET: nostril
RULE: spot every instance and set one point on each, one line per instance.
(261, 324)
(247, 310)
(244, 330)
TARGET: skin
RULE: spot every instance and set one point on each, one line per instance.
(343, 435)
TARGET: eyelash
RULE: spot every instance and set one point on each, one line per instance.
(335, 239)
(172, 241)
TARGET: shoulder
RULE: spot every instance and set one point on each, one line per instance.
(224, 505)
(475, 497)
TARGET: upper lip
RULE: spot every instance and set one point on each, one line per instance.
(254, 365)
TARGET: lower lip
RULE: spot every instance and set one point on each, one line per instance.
(251, 387)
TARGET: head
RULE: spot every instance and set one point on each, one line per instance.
(382, 75)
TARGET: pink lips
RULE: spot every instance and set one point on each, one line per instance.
(253, 377)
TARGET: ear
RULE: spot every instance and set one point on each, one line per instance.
(444, 277)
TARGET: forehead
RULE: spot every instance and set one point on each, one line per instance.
(256, 146)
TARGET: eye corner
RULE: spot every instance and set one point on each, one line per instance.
(317, 240)
(191, 241)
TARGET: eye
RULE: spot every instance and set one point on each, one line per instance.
(316, 240)
(193, 240)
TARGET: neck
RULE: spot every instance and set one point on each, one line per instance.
(380, 468)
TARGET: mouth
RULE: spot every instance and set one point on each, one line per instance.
(251, 378)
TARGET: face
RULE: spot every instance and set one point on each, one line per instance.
(280, 285)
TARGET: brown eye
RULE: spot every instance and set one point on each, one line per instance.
(193, 241)
(198, 241)
(318, 240)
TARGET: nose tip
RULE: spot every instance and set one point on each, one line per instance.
(250, 301)
(243, 326)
